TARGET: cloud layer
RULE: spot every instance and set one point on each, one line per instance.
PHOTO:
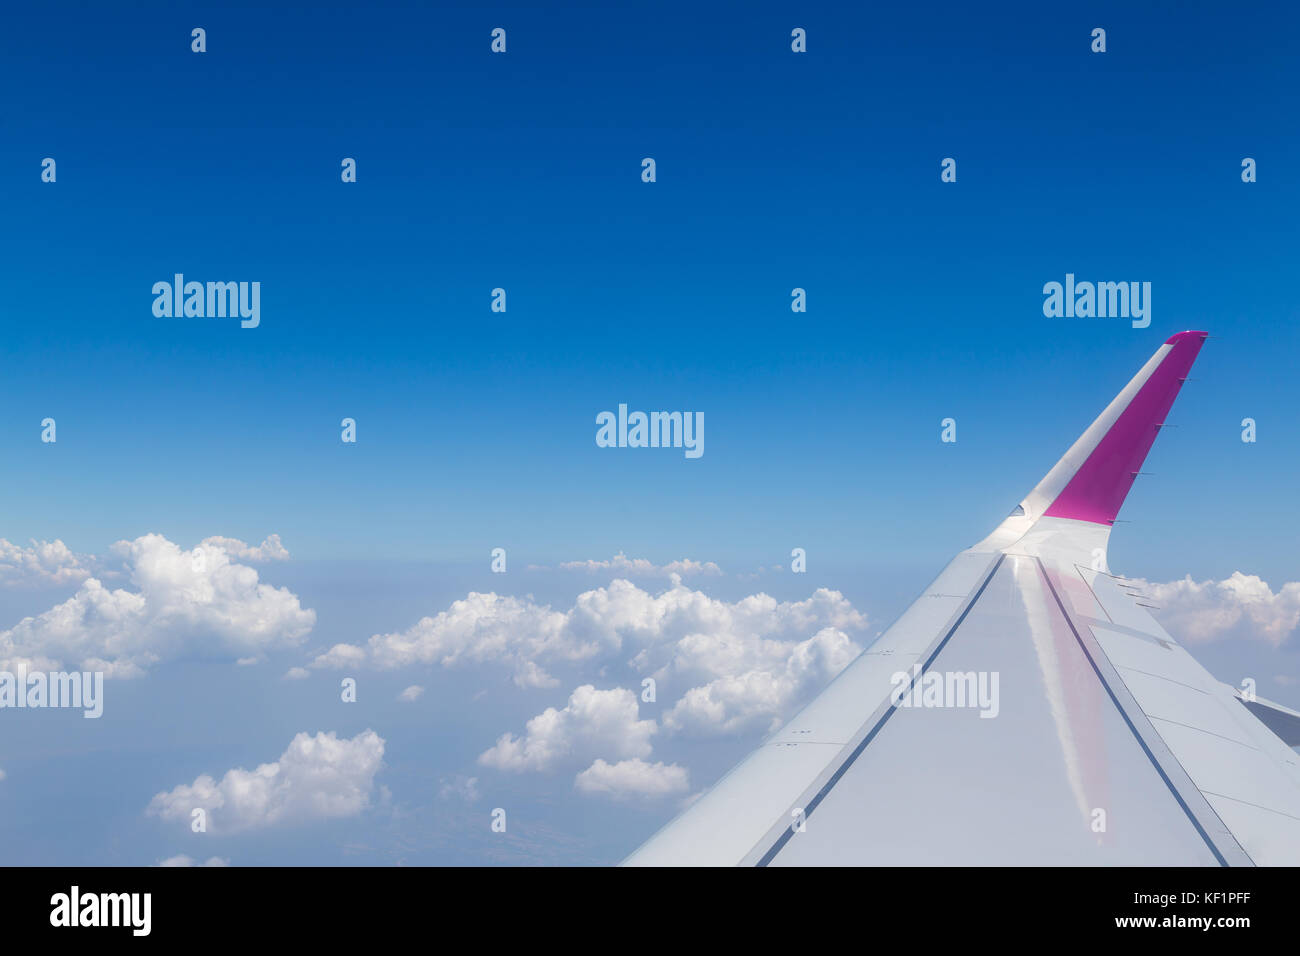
(679, 632)
(633, 778)
(593, 722)
(1240, 606)
(183, 860)
(754, 685)
(640, 567)
(269, 550)
(44, 564)
(183, 603)
(318, 777)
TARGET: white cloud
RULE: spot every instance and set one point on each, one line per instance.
(3, 775)
(340, 657)
(1240, 606)
(269, 550)
(479, 628)
(593, 723)
(622, 564)
(183, 860)
(44, 564)
(297, 673)
(679, 630)
(633, 778)
(734, 666)
(758, 684)
(316, 778)
(197, 603)
(411, 693)
(530, 674)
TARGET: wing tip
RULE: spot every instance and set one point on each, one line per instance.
(1097, 487)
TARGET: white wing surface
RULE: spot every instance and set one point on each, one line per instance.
(1026, 709)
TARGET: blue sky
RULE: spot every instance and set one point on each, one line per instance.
(476, 429)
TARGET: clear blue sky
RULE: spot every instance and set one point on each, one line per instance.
(522, 171)
(774, 171)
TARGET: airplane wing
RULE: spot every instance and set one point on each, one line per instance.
(1026, 709)
(1283, 721)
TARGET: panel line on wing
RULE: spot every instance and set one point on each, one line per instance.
(1164, 677)
(1202, 730)
(855, 751)
(1155, 761)
(1257, 806)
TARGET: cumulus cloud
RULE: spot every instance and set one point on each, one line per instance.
(183, 860)
(411, 693)
(340, 657)
(731, 666)
(269, 550)
(632, 778)
(44, 564)
(593, 723)
(622, 564)
(476, 629)
(184, 603)
(758, 683)
(1240, 606)
(679, 630)
(317, 777)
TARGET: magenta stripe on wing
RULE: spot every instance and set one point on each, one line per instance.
(1099, 487)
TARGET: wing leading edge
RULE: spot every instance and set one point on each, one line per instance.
(1025, 709)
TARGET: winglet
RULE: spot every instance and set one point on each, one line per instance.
(1092, 480)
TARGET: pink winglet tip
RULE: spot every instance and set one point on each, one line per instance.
(1099, 487)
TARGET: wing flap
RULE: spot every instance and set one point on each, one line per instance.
(1232, 758)
(1283, 721)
